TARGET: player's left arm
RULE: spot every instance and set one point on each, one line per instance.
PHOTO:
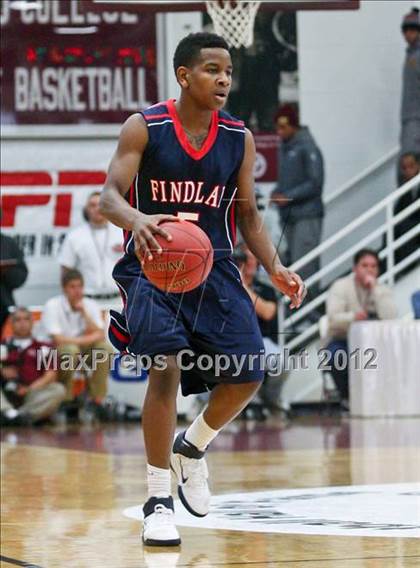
(254, 232)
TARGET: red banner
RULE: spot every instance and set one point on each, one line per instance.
(65, 64)
(266, 157)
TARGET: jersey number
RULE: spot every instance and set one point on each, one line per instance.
(187, 216)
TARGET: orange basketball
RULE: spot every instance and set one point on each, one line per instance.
(185, 261)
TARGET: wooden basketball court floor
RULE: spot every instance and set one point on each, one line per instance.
(68, 495)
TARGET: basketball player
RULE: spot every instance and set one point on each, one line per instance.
(188, 159)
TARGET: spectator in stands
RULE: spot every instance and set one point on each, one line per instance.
(409, 168)
(13, 272)
(410, 105)
(298, 194)
(357, 297)
(415, 301)
(29, 388)
(93, 249)
(76, 326)
(264, 299)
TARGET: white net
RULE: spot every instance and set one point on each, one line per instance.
(234, 21)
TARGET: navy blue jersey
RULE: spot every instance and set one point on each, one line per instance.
(196, 185)
(217, 317)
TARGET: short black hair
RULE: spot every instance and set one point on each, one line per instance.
(71, 275)
(365, 252)
(20, 309)
(410, 155)
(93, 194)
(188, 49)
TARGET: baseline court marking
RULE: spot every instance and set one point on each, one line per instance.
(16, 562)
(390, 510)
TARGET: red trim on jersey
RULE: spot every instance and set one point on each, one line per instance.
(81, 178)
(127, 234)
(182, 137)
(233, 224)
(25, 178)
(119, 335)
(154, 116)
(231, 122)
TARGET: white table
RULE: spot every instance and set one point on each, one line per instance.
(393, 388)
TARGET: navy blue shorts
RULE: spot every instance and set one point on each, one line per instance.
(215, 322)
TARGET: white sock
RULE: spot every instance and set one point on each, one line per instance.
(158, 482)
(200, 434)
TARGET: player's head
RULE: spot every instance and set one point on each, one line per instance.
(287, 122)
(409, 166)
(411, 26)
(72, 284)
(365, 262)
(91, 210)
(203, 68)
(22, 323)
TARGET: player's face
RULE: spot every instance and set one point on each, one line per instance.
(409, 167)
(367, 266)
(411, 36)
(285, 131)
(22, 324)
(74, 291)
(93, 211)
(210, 79)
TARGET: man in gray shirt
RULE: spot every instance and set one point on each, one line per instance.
(298, 194)
(410, 105)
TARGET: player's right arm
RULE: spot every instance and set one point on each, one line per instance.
(122, 170)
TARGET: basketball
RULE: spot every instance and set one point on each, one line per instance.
(185, 261)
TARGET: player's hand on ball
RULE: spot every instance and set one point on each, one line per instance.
(144, 228)
(290, 284)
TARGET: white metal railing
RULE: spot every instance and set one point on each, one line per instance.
(363, 175)
(385, 205)
(313, 329)
(314, 253)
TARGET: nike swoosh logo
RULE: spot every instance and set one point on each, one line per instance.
(184, 479)
(186, 443)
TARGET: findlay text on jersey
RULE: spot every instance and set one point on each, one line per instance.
(164, 191)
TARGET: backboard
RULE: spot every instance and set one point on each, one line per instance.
(182, 6)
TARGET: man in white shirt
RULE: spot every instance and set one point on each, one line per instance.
(93, 249)
(76, 326)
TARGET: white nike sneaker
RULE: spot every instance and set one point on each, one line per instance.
(159, 524)
(190, 468)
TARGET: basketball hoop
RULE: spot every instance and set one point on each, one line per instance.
(234, 21)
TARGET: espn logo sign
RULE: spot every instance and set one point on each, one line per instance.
(24, 197)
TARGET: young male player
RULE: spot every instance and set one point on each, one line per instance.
(188, 159)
